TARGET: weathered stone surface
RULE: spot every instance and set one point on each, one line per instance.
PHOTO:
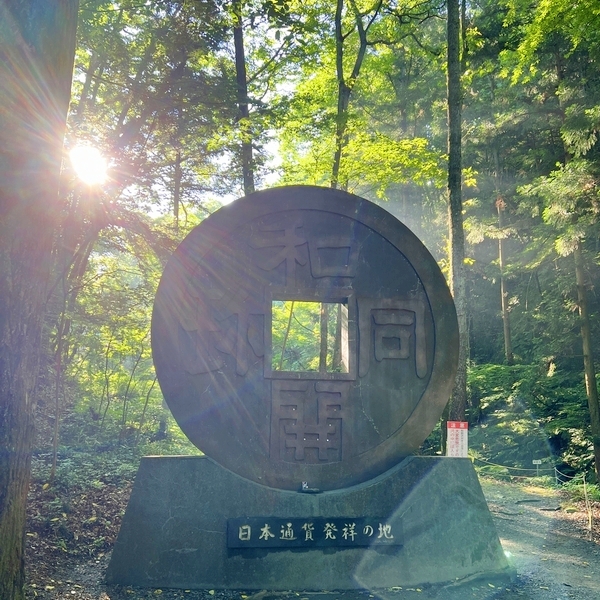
(212, 346)
(174, 530)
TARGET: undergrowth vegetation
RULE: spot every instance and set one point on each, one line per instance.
(521, 413)
(517, 414)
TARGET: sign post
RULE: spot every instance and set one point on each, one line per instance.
(537, 464)
(457, 444)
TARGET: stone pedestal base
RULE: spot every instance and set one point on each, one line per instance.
(174, 532)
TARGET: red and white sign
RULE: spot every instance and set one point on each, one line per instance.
(457, 444)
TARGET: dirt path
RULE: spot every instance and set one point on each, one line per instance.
(549, 547)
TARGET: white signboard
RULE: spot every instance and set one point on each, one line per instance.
(457, 443)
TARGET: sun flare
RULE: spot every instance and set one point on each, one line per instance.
(89, 164)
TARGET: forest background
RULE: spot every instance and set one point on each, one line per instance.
(195, 103)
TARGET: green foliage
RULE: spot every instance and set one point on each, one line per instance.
(379, 162)
(93, 457)
(297, 335)
(524, 412)
(111, 358)
(155, 87)
(495, 471)
(387, 139)
(131, 58)
(578, 492)
(578, 22)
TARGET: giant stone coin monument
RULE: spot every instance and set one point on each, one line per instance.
(306, 341)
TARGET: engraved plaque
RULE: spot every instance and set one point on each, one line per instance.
(303, 334)
(313, 532)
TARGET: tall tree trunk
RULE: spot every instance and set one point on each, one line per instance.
(287, 335)
(508, 352)
(135, 84)
(87, 84)
(458, 402)
(177, 177)
(591, 386)
(324, 316)
(37, 46)
(337, 342)
(241, 78)
(71, 259)
(500, 207)
(345, 85)
(588, 358)
(343, 99)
